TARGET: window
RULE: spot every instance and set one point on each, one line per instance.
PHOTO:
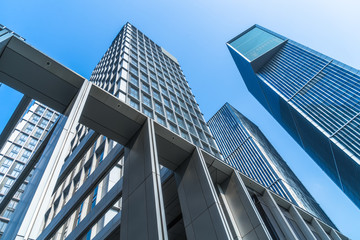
(22, 139)
(154, 85)
(170, 115)
(148, 112)
(25, 156)
(173, 128)
(38, 132)
(3, 169)
(134, 92)
(156, 95)
(32, 143)
(181, 122)
(146, 88)
(167, 102)
(146, 100)
(159, 108)
(163, 90)
(160, 120)
(144, 78)
(29, 128)
(40, 110)
(134, 104)
(44, 122)
(133, 70)
(35, 119)
(49, 114)
(134, 80)
(7, 162)
(185, 135)
(15, 150)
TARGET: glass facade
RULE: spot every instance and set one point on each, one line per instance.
(317, 100)
(245, 148)
(255, 42)
(18, 150)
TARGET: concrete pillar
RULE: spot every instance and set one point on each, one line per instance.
(201, 209)
(244, 219)
(34, 219)
(279, 216)
(301, 223)
(143, 214)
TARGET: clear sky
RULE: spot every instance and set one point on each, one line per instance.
(77, 34)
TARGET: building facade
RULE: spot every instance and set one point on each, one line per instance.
(15, 153)
(245, 148)
(314, 97)
(113, 171)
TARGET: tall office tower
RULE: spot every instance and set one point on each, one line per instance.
(315, 98)
(16, 151)
(246, 148)
(144, 75)
(103, 178)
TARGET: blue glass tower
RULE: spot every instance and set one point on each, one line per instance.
(315, 98)
(246, 148)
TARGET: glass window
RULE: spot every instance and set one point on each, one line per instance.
(164, 91)
(133, 71)
(167, 102)
(25, 156)
(29, 128)
(159, 108)
(148, 112)
(181, 122)
(40, 110)
(134, 92)
(154, 85)
(38, 132)
(144, 78)
(134, 104)
(156, 95)
(134, 80)
(170, 115)
(146, 100)
(160, 120)
(22, 139)
(32, 143)
(44, 122)
(173, 128)
(146, 88)
(255, 43)
(35, 119)
(14, 151)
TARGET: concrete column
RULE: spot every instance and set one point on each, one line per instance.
(279, 216)
(201, 210)
(319, 229)
(301, 223)
(142, 203)
(244, 219)
(34, 219)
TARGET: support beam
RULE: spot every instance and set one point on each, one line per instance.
(33, 221)
(142, 203)
(279, 216)
(241, 211)
(200, 206)
(319, 229)
(301, 223)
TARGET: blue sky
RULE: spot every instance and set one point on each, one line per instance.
(77, 33)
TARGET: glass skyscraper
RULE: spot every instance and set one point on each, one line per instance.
(28, 133)
(314, 97)
(245, 147)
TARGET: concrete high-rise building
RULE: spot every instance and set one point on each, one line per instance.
(314, 97)
(245, 147)
(120, 163)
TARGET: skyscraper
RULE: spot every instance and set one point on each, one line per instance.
(245, 147)
(147, 77)
(315, 98)
(115, 172)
